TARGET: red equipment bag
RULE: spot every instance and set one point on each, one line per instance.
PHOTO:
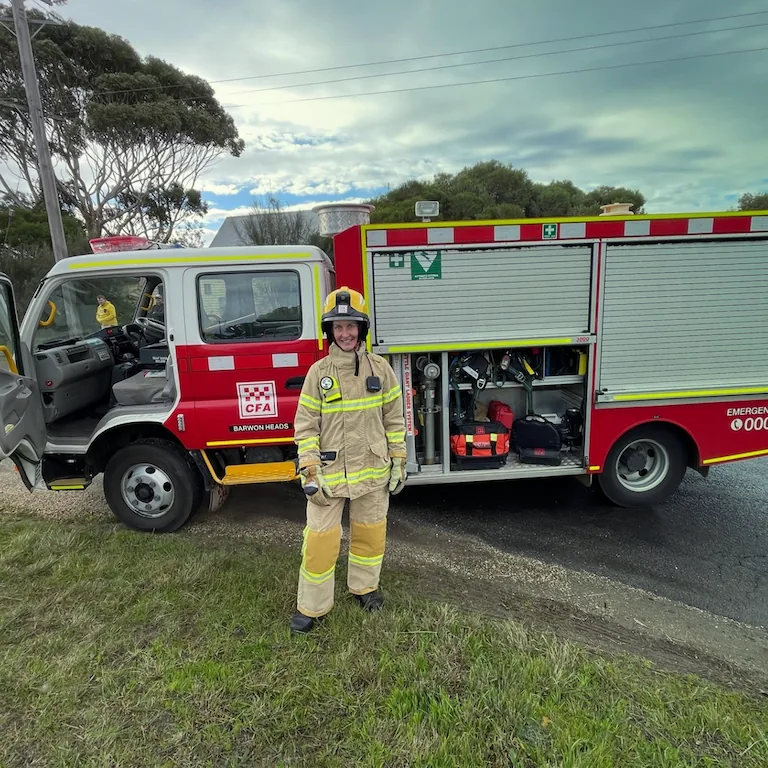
(480, 444)
(501, 412)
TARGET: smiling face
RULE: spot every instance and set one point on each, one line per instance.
(345, 334)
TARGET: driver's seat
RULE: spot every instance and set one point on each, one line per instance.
(147, 386)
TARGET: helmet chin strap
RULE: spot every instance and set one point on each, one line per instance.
(354, 352)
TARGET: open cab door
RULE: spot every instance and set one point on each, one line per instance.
(22, 426)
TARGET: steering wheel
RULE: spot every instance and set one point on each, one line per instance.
(148, 324)
(134, 332)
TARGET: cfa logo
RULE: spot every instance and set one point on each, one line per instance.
(257, 399)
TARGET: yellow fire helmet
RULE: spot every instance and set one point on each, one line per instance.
(345, 304)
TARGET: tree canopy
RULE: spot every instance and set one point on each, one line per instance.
(129, 136)
(492, 190)
(27, 227)
(25, 246)
(750, 202)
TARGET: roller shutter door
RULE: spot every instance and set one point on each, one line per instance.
(683, 316)
(429, 297)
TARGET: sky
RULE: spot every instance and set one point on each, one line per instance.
(688, 131)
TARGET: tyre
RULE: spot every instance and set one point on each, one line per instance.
(151, 485)
(644, 467)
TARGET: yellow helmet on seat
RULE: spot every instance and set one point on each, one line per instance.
(345, 304)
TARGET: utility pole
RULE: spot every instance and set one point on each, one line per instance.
(44, 163)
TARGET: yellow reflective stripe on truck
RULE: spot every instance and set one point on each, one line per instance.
(366, 279)
(477, 345)
(689, 393)
(318, 308)
(159, 261)
(736, 456)
(262, 441)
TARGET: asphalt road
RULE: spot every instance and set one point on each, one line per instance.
(706, 547)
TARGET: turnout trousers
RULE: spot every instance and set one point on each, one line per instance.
(322, 543)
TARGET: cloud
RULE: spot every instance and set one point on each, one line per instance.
(220, 189)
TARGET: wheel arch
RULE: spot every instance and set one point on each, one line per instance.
(681, 453)
(112, 440)
(693, 452)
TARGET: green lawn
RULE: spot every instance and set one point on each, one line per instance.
(120, 649)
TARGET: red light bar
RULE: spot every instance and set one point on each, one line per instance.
(121, 243)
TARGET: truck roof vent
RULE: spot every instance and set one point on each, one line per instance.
(617, 209)
(336, 217)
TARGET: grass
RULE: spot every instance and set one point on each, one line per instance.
(120, 649)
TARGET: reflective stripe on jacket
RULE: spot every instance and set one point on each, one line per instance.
(338, 415)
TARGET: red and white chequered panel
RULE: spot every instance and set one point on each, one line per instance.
(567, 230)
(257, 399)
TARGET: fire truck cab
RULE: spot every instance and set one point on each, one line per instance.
(623, 347)
(193, 387)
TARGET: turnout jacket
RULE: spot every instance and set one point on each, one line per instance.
(105, 313)
(357, 431)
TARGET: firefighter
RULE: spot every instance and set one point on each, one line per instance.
(350, 433)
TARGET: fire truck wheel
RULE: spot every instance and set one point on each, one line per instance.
(150, 485)
(644, 467)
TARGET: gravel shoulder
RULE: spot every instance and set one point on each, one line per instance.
(459, 569)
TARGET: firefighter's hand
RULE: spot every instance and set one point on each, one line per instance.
(314, 485)
(397, 475)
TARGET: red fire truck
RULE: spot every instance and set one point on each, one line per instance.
(622, 347)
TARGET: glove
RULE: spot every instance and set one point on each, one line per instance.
(397, 475)
(314, 485)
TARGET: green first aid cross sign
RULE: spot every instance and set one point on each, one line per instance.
(549, 231)
(396, 261)
(426, 265)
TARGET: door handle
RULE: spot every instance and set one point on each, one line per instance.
(295, 382)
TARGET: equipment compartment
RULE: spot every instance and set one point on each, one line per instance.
(452, 394)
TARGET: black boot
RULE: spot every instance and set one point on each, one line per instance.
(301, 624)
(373, 601)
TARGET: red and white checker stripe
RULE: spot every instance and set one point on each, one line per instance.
(607, 227)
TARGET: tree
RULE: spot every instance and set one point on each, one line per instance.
(750, 202)
(26, 266)
(269, 224)
(189, 234)
(491, 190)
(25, 246)
(129, 136)
(608, 195)
(558, 198)
(27, 227)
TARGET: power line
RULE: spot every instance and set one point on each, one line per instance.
(454, 53)
(490, 80)
(501, 79)
(494, 48)
(493, 61)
